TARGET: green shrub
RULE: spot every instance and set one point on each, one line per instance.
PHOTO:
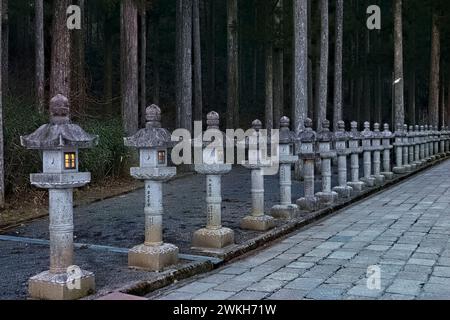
(108, 157)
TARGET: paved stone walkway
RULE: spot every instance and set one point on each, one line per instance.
(404, 231)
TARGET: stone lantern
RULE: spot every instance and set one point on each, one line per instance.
(411, 142)
(386, 137)
(356, 150)
(367, 136)
(152, 143)
(437, 138)
(429, 144)
(377, 148)
(341, 138)
(325, 139)
(257, 220)
(423, 153)
(406, 145)
(60, 141)
(442, 139)
(286, 210)
(399, 168)
(214, 237)
(417, 144)
(307, 139)
(447, 141)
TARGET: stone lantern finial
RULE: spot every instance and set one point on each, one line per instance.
(376, 127)
(213, 120)
(257, 125)
(386, 127)
(326, 125)
(308, 123)
(153, 116)
(354, 126)
(341, 126)
(367, 125)
(285, 122)
(59, 110)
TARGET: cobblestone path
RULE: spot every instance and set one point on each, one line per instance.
(403, 231)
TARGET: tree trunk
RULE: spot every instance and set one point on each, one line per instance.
(198, 86)
(324, 53)
(2, 143)
(433, 104)
(269, 67)
(81, 76)
(300, 64)
(154, 24)
(211, 51)
(278, 67)
(233, 64)
(178, 61)
(130, 96)
(61, 47)
(338, 116)
(398, 66)
(5, 52)
(186, 66)
(40, 55)
(143, 73)
(448, 97)
(108, 68)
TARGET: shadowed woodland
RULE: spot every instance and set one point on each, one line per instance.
(245, 59)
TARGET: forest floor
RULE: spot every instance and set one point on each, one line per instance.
(33, 203)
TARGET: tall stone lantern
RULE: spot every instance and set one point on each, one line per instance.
(214, 237)
(286, 210)
(386, 137)
(60, 141)
(257, 220)
(152, 143)
(307, 153)
(355, 150)
(341, 139)
(367, 136)
(377, 149)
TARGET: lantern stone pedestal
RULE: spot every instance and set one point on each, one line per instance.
(257, 220)
(152, 143)
(307, 153)
(367, 136)
(326, 196)
(355, 150)
(285, 210)
(213, 238)
(386, 136)
(342, 151)
(59, 141)
(153, 255)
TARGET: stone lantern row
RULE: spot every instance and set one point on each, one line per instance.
(60, 141)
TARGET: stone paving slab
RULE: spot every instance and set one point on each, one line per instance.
(403, 231)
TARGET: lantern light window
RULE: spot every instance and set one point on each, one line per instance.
(161, 157)
(70, 161)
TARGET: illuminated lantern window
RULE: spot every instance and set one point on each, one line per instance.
(161, 157)
(70, 161)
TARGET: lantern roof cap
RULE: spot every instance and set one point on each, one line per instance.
(325, 135)
(60, 132)
(153, 135)
(307, 134)
(340, 134)
(286, 135)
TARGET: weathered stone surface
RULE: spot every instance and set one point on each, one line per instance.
(50, 286)
(212, 238)
(153, 258)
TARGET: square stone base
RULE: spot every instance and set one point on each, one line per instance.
(326, 198)
(399, 170)
(212, 238)
(284, 212)
(51, 286)
(259, 223)
(153, 258)
(343, 191)
(388, 175)
(408, 168)
(308, 204)
(370, 181)
(379, 179)
(357, 186)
